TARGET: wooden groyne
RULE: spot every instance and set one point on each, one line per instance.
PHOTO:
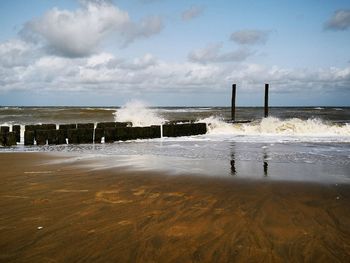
(85, 133)
(8, 138)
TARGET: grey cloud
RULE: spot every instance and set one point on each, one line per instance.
(192, 12)
(146, 28)
(340, 20)
(213, 54)
(16, 53)
(250, 37)
(79, 33)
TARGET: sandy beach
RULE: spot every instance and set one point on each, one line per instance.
(68, 213)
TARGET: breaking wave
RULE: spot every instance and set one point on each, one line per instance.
(275, 126)
(138, 113)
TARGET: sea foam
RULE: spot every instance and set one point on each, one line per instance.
(275, 126)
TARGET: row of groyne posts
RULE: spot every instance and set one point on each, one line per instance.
(83, 133)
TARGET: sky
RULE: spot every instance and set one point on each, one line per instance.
(174, 53)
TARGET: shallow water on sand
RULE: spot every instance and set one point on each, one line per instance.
(292, 161)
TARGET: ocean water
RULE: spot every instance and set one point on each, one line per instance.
(309, 144)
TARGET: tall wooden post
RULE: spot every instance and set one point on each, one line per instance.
(233, 102)
(266, 107)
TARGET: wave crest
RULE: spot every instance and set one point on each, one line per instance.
(275, 126)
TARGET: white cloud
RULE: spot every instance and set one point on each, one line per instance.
(107, 60)
(148, 60)
(285, 80)
(192, 12)
(250, 37)
(79, 33)
(77, 63)
(99, 59)
(212, 54)
(50, 69)
(15, 53)
(107, 73)
(340, 20)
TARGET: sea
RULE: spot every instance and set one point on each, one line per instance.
(308, 144)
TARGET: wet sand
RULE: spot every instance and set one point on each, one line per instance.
(67, 213)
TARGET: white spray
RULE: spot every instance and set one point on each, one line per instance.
(274, 126)
(139, 114)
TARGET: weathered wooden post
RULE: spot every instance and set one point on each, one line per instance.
(65, 127)
(99, 133)
(41, 137)
(110, 134)
(29, 137)
(72, 135)
(155, 131)
(61, 136)
(17, 130)
(266, 107)
(52, 137)
(233, 103)
(4, 130)
(11, 139)
(2, 139)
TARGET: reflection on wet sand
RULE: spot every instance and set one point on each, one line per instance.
(265, 159)
(233, 161)
(233, 167)
(266, 164)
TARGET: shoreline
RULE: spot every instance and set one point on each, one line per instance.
(65, 212)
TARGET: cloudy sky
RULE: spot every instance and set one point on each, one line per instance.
(174, 53)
